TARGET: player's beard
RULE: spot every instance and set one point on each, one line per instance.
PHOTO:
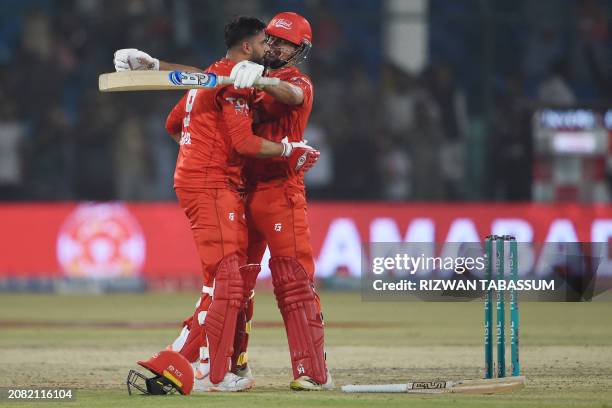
(272, 61)
(257, 60)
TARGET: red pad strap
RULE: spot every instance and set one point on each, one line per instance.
(197, 333)
(297, 302)
(221, 318)
(249, 277)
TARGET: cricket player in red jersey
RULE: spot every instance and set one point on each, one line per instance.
(276, 206)
(214, 130)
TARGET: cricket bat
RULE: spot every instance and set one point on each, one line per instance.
(167, 81)
(488, 386)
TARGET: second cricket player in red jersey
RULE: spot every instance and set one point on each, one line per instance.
(277, 212)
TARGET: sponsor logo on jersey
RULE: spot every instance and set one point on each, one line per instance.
(240, 105)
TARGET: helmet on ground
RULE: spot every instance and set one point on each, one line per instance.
(172, 373)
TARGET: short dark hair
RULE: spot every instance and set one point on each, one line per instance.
(240, 28)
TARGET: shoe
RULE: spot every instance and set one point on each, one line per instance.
(305, 383)
(231, 383)
(244, 372)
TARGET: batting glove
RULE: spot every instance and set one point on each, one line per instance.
(131, 59)
(300, 156)
(245, 73)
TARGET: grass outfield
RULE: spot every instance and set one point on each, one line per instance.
(90, 342)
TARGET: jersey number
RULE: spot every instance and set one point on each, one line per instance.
(185, 135)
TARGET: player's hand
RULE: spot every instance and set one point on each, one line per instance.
(131, 59)
(300, 155)
(245, 73)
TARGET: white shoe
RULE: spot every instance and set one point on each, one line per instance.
(231, 383)
(305, 383)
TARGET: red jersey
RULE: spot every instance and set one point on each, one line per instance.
(275, 120)
(216, 131)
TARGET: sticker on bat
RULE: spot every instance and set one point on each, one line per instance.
(193, 78)
(429, 385)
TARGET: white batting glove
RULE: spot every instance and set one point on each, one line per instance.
(245, 73)
(131, 59)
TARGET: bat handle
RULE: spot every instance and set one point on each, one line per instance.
(263, 81)
(376, 388)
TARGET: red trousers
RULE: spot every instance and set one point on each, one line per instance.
(216, 217)
(217, 221)
(277, 217)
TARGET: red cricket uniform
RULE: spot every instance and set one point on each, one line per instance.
(276, 202)
(276, 216)
(215, 127)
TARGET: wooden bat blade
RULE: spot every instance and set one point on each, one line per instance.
(489, 386)
(155, 81)
(166, 81)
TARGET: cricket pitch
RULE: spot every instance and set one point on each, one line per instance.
(89, 342)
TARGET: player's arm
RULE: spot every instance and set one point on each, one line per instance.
(168, 66)
(237, 124)
(286, 93)
(174, 121)
(131, 59)
(244, 142)
(295, 92)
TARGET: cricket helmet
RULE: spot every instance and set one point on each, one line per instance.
(294, 28)
(172, 373)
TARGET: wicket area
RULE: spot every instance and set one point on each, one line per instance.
(498, 258)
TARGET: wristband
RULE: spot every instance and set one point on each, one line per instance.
(287, 148)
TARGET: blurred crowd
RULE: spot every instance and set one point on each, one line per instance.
(384, 133)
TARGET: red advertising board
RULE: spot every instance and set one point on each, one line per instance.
(154, 240)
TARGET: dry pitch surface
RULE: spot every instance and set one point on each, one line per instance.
(90, 342)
